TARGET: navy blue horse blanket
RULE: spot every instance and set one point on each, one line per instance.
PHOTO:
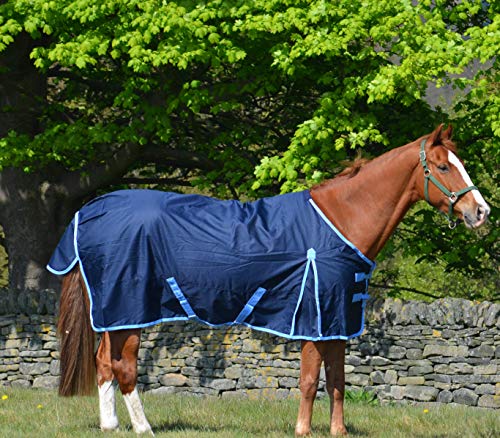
(276, 264)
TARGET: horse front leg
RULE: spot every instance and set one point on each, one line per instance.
(105, 377)
(334, 357)
(124, 352)
(310, 365)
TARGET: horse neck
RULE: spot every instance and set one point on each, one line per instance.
(367, 207)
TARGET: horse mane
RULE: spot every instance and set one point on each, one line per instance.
(352, 168)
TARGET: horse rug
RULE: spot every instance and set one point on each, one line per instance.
(277, 264)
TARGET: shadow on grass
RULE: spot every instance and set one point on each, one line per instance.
(229, 430)
(184, 426)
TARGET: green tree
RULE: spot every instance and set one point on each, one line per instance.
(102, 94)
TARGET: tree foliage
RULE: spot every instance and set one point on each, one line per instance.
(248, 98)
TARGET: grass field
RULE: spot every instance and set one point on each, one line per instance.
(32, 413)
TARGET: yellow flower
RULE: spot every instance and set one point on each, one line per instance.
(39, 407)
(5, 397)
(426, 411)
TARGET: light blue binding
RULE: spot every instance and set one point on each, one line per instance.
(76, 259)
(311, 255)
(64, 271)
(345, 239)
(311, 260)
(82, 271)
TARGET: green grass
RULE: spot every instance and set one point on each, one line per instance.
(30, 413)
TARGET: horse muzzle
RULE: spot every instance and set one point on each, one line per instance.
(476, 216)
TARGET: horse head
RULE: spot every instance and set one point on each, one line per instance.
(447, 186)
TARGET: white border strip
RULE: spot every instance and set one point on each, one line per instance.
(347, 241)
(64, 271)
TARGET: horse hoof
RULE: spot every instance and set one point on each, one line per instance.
(110, 426)
(143, 430)
(339, 431)
(302, 432)
(110, 429)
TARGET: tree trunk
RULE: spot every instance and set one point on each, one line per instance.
(35, 208)
(29, 230)
(33, 219)
(22, 88)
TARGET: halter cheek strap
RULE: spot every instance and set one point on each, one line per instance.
(453, 197)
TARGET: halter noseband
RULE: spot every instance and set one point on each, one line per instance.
(453, 197)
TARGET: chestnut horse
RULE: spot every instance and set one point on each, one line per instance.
(365, 203)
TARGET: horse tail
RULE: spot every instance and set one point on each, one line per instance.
(77, 361)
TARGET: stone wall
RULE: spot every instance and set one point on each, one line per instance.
(447, 351)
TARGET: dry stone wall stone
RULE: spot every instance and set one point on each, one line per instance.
(447, 351)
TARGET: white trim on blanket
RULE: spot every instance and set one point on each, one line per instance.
(64, 271)
(347, 241)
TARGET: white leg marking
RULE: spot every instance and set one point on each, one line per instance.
(453, 159)
(107, 409)
(136, 412)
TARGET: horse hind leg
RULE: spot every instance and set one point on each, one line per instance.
(105, 377)
(124, 352)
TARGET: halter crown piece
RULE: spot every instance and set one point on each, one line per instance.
(453, 197)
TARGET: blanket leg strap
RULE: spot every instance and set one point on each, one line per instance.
(180, 296)
(362, 276)
(252, 302)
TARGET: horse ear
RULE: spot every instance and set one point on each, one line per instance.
(448, 133)
(436, 136)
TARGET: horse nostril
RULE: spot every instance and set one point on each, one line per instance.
(479, 213)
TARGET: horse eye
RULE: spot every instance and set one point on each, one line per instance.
(443, 168)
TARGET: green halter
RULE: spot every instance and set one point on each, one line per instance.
(453, 197)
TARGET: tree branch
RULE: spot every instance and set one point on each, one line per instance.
(407, 289)
(90, 178)
(167, 181)
(79, 183)
(177, 157)
(58, 72)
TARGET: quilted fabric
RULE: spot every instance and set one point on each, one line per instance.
(276, 264)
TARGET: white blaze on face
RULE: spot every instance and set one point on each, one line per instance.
(107, 410)
(453, 159)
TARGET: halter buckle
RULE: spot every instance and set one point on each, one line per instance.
(427, 172)
(453, 197)
(423, 156)
(452, 224)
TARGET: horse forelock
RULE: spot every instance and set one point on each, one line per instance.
(449, 144)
